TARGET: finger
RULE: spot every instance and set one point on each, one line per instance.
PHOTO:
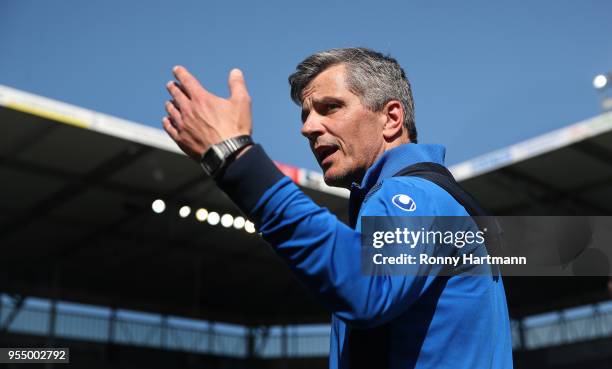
(177, 94)
(191, 84)
(182, 88)
(174, 114)
(237, 85)
(170, 129)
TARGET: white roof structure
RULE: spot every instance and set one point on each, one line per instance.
(533, 147)
(135, 132)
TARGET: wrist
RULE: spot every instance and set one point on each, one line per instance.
(247, 179)
(242, 152)
(218, 156)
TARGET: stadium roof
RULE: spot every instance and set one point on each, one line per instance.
(564, 172)
(76, 221)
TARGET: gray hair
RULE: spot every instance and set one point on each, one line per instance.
(374, 77)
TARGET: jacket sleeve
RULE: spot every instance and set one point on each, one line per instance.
(320, 249)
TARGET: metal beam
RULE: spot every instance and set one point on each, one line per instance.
(31, 139)
(284, 345)
(19, 300)
(594, 151)
(104, 183)
(211, 337)
(546, 195)
(163, 332)
(112, 325)
(76, 186)
(66, 176)
(251, 349)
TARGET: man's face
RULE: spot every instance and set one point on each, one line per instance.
(344, 135)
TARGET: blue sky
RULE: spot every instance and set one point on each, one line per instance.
(484, 75)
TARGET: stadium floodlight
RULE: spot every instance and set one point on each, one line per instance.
(213, 218)
(600, 81)
(239, 222)
(227, 220)
(184, 211)
(201, 214)
(249, 227)
(158, 206)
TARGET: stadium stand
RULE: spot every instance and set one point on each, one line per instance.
(87, 264)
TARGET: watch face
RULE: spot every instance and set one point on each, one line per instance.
(212, 161)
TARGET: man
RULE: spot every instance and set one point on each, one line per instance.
(357, 115)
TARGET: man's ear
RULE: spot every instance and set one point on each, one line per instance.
(394, 123)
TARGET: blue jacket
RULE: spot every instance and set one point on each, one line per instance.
(377, 321)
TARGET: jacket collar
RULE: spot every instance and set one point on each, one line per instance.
(390, 163)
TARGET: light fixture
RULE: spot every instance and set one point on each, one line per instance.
(249, 227)
(239, 222)
(227, 220)
(158, 206)
(184, 211)
(201, 214)
(600, 81)
(213, 218)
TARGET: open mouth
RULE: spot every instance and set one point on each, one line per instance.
(323, 152)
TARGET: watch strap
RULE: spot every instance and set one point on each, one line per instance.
(233, 145)
(219, 155)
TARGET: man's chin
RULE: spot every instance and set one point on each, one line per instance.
(334, 180)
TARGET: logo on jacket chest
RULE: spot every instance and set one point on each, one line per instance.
(404, 202)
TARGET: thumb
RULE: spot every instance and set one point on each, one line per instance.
(237, 86)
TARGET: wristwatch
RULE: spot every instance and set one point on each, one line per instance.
(216, 158)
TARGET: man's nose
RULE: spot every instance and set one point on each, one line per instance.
(312, 127)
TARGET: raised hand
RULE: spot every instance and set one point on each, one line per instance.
(197, 118)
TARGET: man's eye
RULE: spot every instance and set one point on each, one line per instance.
(333, 106)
